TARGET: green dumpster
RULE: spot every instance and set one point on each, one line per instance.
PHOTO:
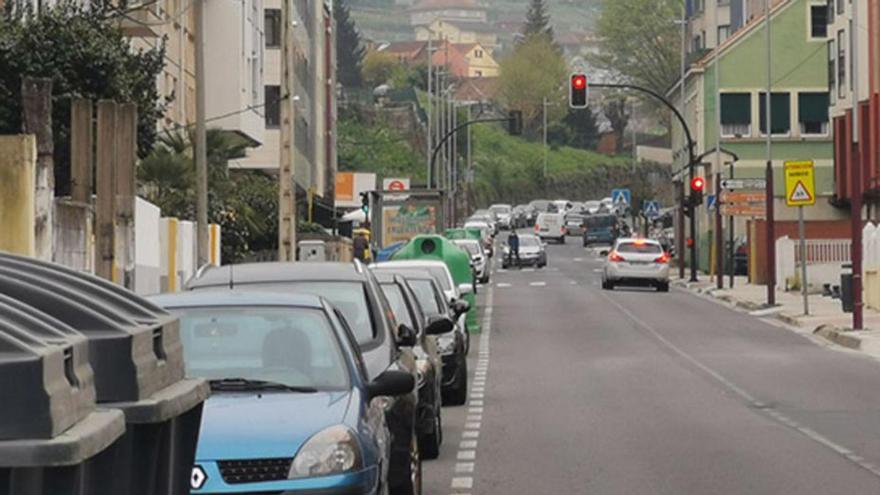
(455, 234)
(436, 247)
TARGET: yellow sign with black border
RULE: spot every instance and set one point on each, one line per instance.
(800, 183)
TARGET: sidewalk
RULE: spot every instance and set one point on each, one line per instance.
(826, 317)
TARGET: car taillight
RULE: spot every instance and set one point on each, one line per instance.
(537, 227)
(614, 257)
(663, 258)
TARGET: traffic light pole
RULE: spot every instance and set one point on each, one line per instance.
(692, 162)
(447, 137)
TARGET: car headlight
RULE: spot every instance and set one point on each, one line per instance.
(446, 343)
(333, 450)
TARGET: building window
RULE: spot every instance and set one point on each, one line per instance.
(840, 7)
(700, 5)
(478, 53)
(723, 33)
(818, 21)
(832, 73)
(698, 42)
(273, 106)
(780, 113)
(813, 113)
(736, 114)
(273, 28)
(830, 11)
(478, 73)
(841, 64)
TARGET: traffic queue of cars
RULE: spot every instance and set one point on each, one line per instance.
(326, 377)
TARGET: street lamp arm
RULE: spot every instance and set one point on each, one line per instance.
(446, 138)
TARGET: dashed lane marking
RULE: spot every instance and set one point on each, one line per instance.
(538, 284)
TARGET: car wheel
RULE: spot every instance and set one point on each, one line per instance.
(663, 287)
(562, 240)
(608, 285)
(429, 444)
(457, 394)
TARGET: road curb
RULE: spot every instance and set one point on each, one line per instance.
(839, 336)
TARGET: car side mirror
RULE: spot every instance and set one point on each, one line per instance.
(391, 383)
(464, 289)
(406, 336)
(460, 307)
(438, 325)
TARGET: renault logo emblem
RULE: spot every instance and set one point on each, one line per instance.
(198, 478)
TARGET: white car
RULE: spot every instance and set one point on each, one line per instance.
(636, 261)
(485, 234)
(479, 259)
(551, 226)
(437, 268)
(504, 213)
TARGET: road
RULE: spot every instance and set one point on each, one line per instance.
(637, 392)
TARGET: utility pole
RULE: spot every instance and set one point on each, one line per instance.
(286, 185)
(37, 119)
(470, 163)
(430, 102)
(731, 239)
(856, 174)
(201, 137)
(719, 236)
(771, 234)
(544, 128)
(680, 249)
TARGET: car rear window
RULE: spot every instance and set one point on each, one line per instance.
(394, 294)
(600, 221)
(427, 297)
(639, 248)
(528, 240)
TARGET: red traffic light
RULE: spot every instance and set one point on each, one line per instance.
(577, 91)
(698, 184)
(579, 81)
(690, 242)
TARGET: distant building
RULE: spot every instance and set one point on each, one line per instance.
(475, 90)
(464, 60)
(425, 12)
(456, 31)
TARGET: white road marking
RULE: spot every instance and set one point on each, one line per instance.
(578, 259)
(467, 444)
(538, 284)
(464, 467)
(463, 482)
(470, 434)
(572, 282)
(475, 410)
(466, 455)
(502, 285)
(472, 425)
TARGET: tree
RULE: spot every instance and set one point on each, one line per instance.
(379, 68)
(535, 71)
(538, 21)
(640, 41)
(615, 111)
(349, 49)
(83, 51)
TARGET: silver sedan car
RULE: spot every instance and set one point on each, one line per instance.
(636, 262)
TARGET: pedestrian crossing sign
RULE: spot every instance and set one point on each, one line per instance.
(620, 197)
(800, 184)
(651, 209)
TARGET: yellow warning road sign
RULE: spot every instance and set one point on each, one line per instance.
(800, 183)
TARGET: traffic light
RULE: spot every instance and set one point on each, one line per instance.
(698, 184)
(365, 202)
(577, 91)
(514, 123)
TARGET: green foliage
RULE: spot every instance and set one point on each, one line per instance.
(616, 112)
(349, 49)
(640, 41)
(244, 203)
(365, 146)
(538, 21)
(535, 71)
(379, 68)
(81, 49)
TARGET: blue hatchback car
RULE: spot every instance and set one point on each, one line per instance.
(291, 409)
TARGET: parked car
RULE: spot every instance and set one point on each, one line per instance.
(551, 226)
(503, 213)
(291, 408)
(592, 207)
(599, 229)
(521, 216)
(408, 312)
(353, 289)
(478, 258)
(636, 262)
(486, 217)
(531, 253)
(487, 236)
(574, 224)
(453, 346)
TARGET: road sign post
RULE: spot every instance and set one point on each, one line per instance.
(719, 237)
(800, 191)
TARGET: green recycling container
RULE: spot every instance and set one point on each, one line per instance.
(436, 247)
(456, 234)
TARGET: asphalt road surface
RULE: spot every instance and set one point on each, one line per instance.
(585, 391)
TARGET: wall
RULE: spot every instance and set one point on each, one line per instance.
(839, 229)
(147, 251)
(18, 156)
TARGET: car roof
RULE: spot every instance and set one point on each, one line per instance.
(228, 297)
(411, 264)
(386, 276)
(278, 272)
(637, 240)
(409, 273)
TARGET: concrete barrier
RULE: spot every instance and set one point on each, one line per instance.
(18, 155)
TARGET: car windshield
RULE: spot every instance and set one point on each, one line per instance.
(349, 297)
(296, 347)
(471, 247)
(426, 296)
(500, 209)
(528, 240)
(394, 294)
(639, 248)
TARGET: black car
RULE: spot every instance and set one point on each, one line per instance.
(409, 312)
(453, 346)
(384, 344)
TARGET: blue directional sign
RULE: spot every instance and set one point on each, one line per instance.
(711, 201)
(651, 209)
(620, 197)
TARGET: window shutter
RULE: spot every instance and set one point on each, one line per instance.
(736, 108)
(813, 107)
(780, 115)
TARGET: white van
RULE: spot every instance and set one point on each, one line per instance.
(551, 226)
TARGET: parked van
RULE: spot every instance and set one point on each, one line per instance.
(551, 226)
(599, 229)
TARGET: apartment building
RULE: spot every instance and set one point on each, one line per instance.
(314, 95)
(843, 71)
